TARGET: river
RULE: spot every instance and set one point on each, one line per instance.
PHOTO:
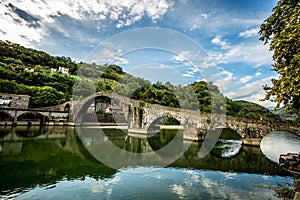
(67, 163)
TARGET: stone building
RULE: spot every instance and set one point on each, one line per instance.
(63, 70)
(13, 101)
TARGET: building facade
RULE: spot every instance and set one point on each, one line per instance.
(14, 101)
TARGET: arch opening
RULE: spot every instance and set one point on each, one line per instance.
(101, 109)
(67, 107)
(229, 143)
(33, 117)
(164, 121)
(276, 143)
(163, 130)
(5, 116)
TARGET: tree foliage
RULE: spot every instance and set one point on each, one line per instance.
(156, 94)
(48, 88)
(282, 31)
(249, 110)
(17, 54)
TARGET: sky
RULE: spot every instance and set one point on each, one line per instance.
(160, 40)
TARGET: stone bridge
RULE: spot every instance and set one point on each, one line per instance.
(41, 116)
(144, 116)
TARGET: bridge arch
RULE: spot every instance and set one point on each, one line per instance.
(67, 107)
(228, 134)
(163, 119)
(32, 116)
(104, 104)
(5, 116)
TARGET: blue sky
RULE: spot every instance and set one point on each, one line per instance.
(224, 30)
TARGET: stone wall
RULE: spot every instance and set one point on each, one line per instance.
(14, 100)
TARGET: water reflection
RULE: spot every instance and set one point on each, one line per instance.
(229, 155)
(162, 183)
(57, 164)
(227, 148)
(118, 150)
(279, 142)
(45, 159)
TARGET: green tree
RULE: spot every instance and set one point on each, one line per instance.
(45, 96)
(38, 68)
(282, 31)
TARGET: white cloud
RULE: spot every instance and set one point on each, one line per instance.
(188, 58)
(192, 58)
(196, 62)
(227, 80)
(251, 92)
(182, 56)
(178, 189)
(123, 13)
(16, 29)
(254, 53)
(258, 73)
(212, 21)
(219, 41)
(112, 55)
(249, 33)
(205, 15)
(189, 74)
(246, 79)
(248, 89)
(257, 98)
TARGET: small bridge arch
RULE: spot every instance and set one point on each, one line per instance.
(163, 119)
(31, 117)
(5, 116)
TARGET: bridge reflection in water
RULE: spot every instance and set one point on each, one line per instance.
(65, 139)
(33, 157)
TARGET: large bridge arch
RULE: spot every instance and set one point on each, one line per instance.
(116, 104)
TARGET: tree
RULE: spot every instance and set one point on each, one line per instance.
(282, 31)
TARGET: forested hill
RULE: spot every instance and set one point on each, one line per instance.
(36, 73)
(19, 55)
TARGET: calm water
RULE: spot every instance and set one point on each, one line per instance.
(280, 142)
(63, 163)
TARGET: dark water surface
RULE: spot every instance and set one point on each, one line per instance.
(60, 163)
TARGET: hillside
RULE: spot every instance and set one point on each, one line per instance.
(36, 73)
